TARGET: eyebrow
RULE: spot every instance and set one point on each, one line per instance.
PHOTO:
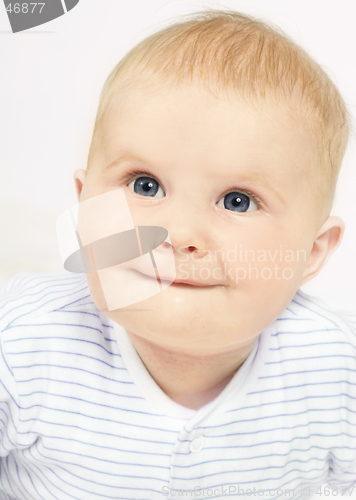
(125, 157)
(257, 178)
(267, 185)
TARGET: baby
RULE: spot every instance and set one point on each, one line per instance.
(228, 380)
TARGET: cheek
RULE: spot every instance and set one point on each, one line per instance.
(267, 258)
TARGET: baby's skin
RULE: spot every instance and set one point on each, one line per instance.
(223, 175)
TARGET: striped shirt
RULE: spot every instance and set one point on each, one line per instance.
(81, 418)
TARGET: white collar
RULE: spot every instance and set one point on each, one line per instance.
(230, 397)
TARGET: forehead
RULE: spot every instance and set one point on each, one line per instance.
(188, 130)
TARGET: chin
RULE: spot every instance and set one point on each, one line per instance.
(191, 331)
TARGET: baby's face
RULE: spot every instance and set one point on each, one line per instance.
(233, 187)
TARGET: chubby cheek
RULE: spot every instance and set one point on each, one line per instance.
(260, 270)
(272, 264)
(266, 265)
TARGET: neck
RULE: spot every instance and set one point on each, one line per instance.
(189, 380)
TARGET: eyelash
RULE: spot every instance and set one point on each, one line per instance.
(144, 173)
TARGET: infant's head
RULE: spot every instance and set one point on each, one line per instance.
(223, 131)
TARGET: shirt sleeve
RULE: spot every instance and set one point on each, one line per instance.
(342, 469)
(12, 284)
(9, 400)
(344, 476)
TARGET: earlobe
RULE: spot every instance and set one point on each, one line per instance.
(79, 179)
(326, 242)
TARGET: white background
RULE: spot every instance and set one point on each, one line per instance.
(51, 77)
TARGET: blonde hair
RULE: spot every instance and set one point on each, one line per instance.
(227, 51)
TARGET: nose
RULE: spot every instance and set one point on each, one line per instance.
(188, 229)
(191, 249)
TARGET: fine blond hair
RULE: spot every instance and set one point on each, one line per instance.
(229, 52)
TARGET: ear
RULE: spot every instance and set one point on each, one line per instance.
(79, 179)
(326, 242)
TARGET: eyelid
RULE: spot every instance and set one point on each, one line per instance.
(136, 174)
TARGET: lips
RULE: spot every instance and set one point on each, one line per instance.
(183, 282)
(177, 281)
(189, 282)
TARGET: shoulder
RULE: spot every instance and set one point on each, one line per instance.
(325, 314)
(318, 329)
(46, 316)
(29, 295)
(51, 305)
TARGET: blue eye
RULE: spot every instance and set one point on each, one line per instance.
(147, 186)
(238, 202)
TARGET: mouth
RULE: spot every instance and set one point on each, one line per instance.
(179, 283)
(189, 283)
(182, 283)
